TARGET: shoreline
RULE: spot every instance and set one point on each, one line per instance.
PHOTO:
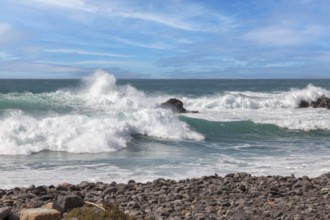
(233, 196)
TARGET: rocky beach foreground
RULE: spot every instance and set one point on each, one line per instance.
(235, 196)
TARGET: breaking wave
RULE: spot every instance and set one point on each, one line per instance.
(101, 116)
(98, 117)
(257, 100)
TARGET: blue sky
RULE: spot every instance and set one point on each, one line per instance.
(165, 39)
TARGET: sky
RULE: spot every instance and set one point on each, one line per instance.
(165, 39)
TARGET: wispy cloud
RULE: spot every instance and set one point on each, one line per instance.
(182, 16)
(283, 36)
(110, 62)
(7, 33)
(38, 67)
(84, 52)
(69, 4)
(5, 56)
(21, 69)
(170, 21)
(158, 46)
(215, 38)
(128, 65)
(4, 29)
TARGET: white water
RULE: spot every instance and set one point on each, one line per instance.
(278, 108)
(96, 121)
(103, 120)
(104, 116)
(46, 169)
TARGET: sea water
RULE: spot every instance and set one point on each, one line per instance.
(100, 128)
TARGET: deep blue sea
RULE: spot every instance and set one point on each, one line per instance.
(104, 129)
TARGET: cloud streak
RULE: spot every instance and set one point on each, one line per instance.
(4, 56)
(69, 4)
(7, 34)
(158, 46)
(84, 52)
(182, 16)
(283, 36)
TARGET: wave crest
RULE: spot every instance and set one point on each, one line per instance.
(102, 117)
(257, 100)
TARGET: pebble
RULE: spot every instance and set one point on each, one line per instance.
(235, 196)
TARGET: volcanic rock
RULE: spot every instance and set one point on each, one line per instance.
(176, 106)
(323, 102)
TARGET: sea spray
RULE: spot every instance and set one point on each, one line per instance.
(256, 100)
(102, 118)
(280, 108)
(99, 83)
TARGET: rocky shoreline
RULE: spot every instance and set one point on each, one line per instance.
(235, 196)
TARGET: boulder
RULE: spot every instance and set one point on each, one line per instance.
(304, 104)
(176, 106)
(52, 205)
(4, 212)
(40, 214)
(70, 202)
(322, 102)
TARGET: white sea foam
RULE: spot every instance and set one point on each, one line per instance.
(24, 134)
(23, 173)
(256, 100)
(102, 116)
(280, 108)
(103, 120)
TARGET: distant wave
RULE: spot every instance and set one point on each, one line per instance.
(277, 108)
(257, 100)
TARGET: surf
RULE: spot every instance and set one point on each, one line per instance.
(100, 117)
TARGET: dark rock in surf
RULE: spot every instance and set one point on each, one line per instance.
(323, 102)
(304, 104)
(176, 106)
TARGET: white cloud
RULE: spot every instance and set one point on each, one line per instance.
(159, 46)
(38, 68)
(9, 34)
(4, 28)
(183, 18)
(69, 4)
(84, 52)
(176, 14)
(6, 33)
(283, 36)
(4, 56)
(123, 64)
(160, 19)
(279, 65)
(322, 57)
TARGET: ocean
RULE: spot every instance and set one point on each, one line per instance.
(105, 129)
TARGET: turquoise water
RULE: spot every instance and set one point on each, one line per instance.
(103, 129)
